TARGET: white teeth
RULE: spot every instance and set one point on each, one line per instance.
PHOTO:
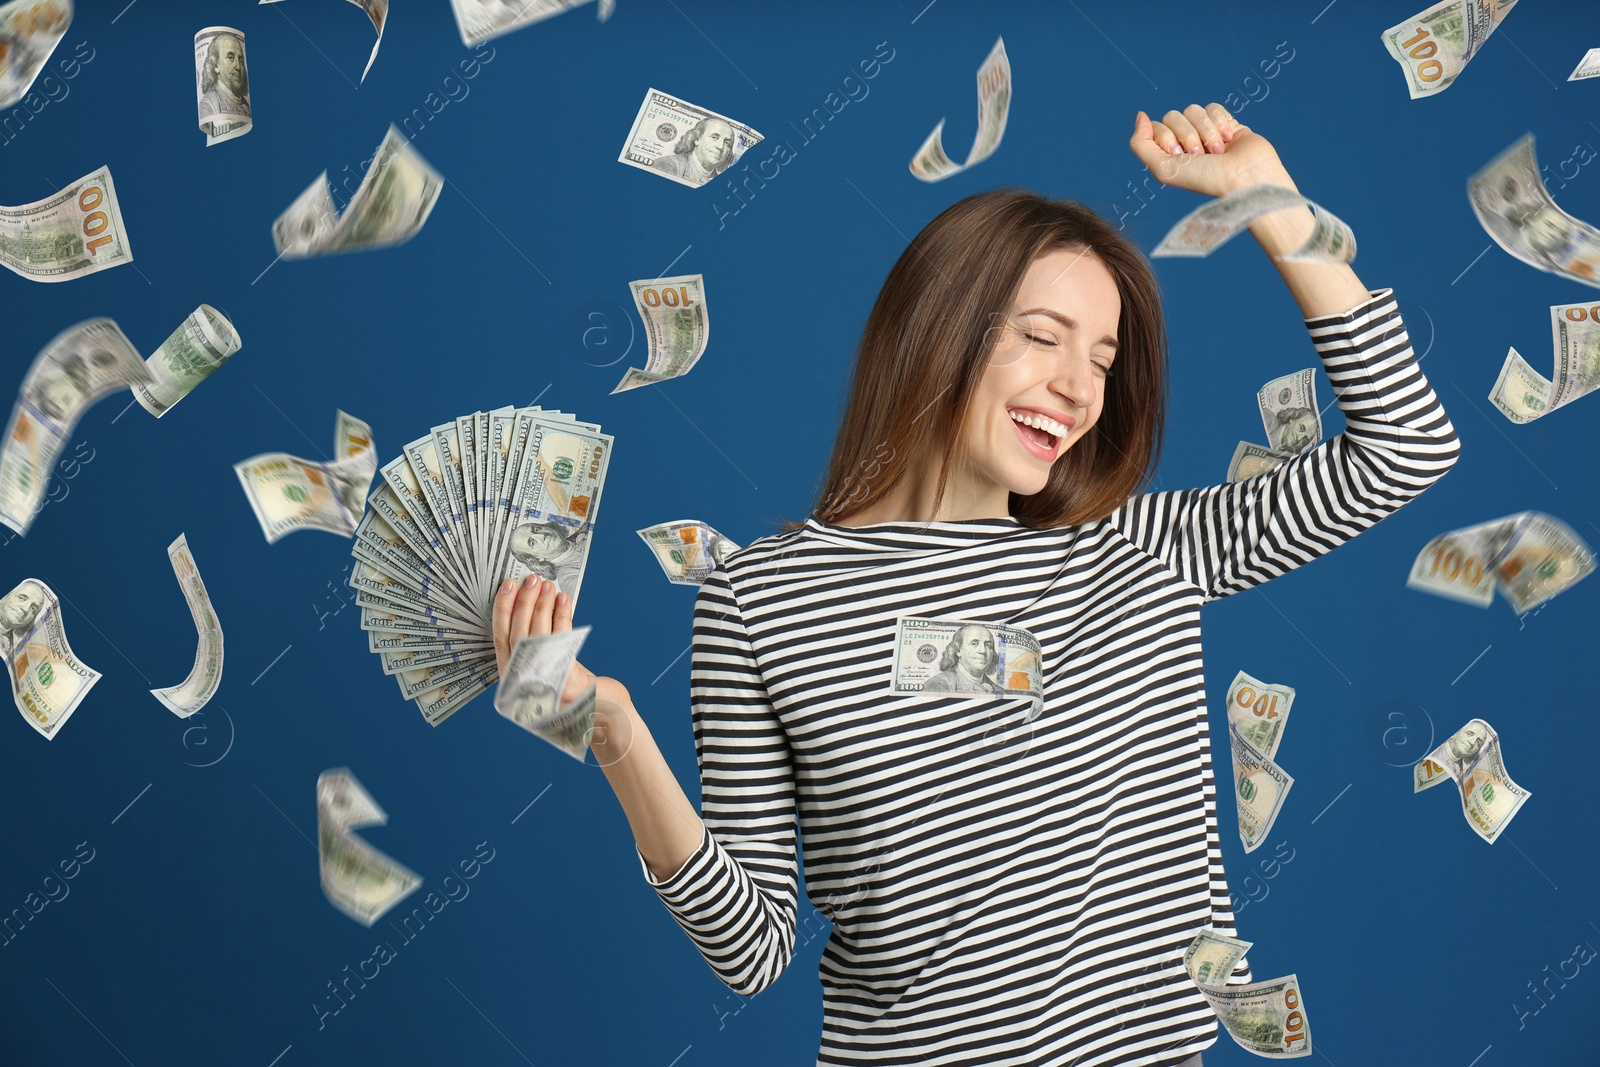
(1040, 422)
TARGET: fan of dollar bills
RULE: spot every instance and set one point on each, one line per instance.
(491, 495)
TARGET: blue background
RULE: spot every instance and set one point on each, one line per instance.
(199, 932)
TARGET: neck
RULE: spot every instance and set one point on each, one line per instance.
(911, 501)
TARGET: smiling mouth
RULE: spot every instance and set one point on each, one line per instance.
(1042, 436)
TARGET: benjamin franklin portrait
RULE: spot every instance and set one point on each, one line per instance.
(967, 664)
(18, 612)
(1297, 428)
(702, 153)
(551, 551)
(224, 82)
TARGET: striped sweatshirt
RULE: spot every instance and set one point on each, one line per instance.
(1006, 892)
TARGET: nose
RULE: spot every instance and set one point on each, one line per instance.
(1074, 378)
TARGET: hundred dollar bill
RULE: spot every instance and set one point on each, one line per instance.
(78, 367)
(682, 142)
(47, 681)
(1259, 710)
(1250, 460)
(202, 342)
(965, 656)
(1514, 207)
(395, 198)
(554, 505)
(1523, 394)
(1530, 557)
(530, 693)
(288, 493)
(221, 84)
(1471, 757)
(931, 163)
(1211, 957)
(1434, 45)
(377, 11)
(356, 878)
(481, 20)
(1267, 1018)
(77, 231)
(1213, 224)
(676, 323)
(1588, 66)
(687, 549)
(1260, 786)
(29, 32)
(1289, 412)
(191, 694)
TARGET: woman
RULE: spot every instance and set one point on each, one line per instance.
(1003, 891)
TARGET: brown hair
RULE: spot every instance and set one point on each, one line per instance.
(928, 339)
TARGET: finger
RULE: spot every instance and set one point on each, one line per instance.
(562, 619)
(503, 601)
(542, 608)
(522, 614)
(1210, 136)
(1188, 136)
(1146, 141)
(1166, 140)
(1225, 121)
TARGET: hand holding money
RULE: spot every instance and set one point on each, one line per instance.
(534, 608)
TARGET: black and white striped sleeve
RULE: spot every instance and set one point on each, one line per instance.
(736, 895)
(1398, 441)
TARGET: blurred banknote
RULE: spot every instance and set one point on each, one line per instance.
(1471, 757)
(47, 681)
(221, 84)
(1515, 208)
(687, 549)
(677, 324)
(29, 32)
(1250, 460)
(395, 198)
(530, 692)
(356, 878)
(191, 694)
(1259, 710)
(1434, 45)
(479, 20)
(1588, 66)
(1530, 557)
(377, 11)
(1289, 412)
(202, 342)
(288, 493)
(682, 142)
(1523, 394)
(1211, 957)
(963, 656)
(1213, 224)
(1260, 786)
(78, 367)
(77, 231)
(931, 163)
(1267, 1018)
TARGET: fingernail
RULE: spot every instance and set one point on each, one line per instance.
(1176, 150)
(507, 585)
(1198, 149)
(530, 582)
(1216, 146)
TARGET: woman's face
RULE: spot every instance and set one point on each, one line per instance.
(1050, 356)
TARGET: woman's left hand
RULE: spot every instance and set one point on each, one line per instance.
(1206, 150)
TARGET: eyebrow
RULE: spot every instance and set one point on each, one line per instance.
(1070, 324)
